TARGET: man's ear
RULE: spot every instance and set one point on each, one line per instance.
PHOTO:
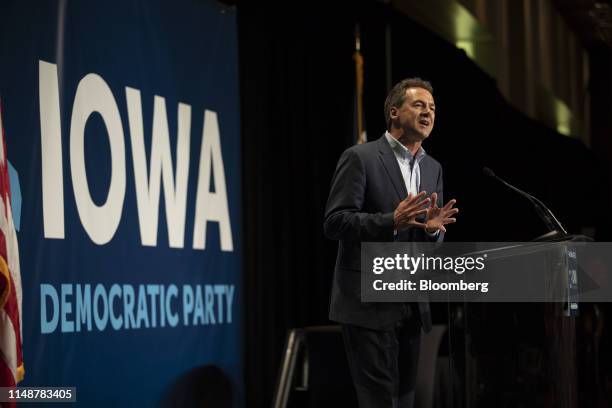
(393, 113)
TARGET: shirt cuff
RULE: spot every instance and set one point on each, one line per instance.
(433, 234)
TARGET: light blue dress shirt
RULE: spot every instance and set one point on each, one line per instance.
(409, 166)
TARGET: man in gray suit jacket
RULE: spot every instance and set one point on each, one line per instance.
(385, 190)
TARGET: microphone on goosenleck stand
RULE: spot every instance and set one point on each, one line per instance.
(555, 228)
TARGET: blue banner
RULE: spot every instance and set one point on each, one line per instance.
(122, 130)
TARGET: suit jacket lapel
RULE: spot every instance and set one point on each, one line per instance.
(392, 167)
(427, 178)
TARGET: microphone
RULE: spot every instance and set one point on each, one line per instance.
(552, 223)
(488, 172)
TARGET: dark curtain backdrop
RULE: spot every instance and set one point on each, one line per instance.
(297, 78)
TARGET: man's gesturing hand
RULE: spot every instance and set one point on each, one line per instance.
(407, 210)
(438, 217)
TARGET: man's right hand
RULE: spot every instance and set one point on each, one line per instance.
(409, 209)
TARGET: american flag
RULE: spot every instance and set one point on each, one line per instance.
(11, 358)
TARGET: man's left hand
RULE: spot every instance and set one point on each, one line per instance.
(438, 217)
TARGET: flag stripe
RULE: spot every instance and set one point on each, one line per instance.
(8, 343)
(11, 313)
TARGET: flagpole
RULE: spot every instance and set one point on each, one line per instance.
(358, 58)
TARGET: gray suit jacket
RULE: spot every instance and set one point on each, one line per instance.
(366, 189)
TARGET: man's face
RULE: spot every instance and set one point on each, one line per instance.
(416, 115)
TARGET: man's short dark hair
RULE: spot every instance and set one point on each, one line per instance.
(397, 95)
